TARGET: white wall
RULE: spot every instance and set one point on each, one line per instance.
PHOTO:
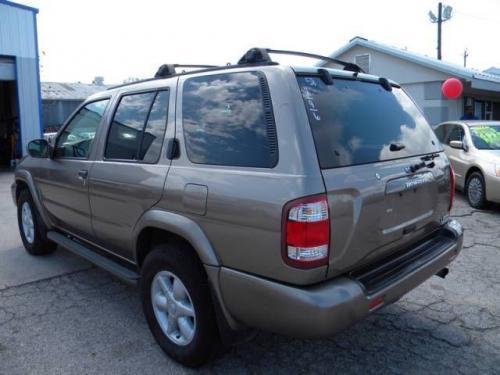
(415, 79)
(401, 71)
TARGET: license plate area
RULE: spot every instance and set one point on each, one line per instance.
(408, 204)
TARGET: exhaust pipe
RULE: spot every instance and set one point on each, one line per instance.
(442, 273)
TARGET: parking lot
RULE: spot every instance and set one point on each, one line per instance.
(59, 315)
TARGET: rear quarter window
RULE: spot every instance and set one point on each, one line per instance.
(228, 120)
(355, 122)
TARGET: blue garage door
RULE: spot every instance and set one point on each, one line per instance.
(7, 69)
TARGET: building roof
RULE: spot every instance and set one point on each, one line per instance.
(69, 91)
(20, 6)
(487, 80)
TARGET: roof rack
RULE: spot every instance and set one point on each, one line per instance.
(168, 70)
(165, 71)
(254, 56)
(261, 56)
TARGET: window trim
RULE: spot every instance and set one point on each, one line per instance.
(68, 121)
(260, 75)
(156, 91)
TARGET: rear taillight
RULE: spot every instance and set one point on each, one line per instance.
(306, 232)
(452, 188)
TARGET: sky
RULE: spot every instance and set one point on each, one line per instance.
(79, 40)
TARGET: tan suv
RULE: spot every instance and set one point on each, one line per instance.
(473, 148)
(257, 195)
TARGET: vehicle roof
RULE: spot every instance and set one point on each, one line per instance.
(472, 122)
(481, 122)
(161, 82)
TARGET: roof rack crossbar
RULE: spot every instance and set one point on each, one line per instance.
(261, 56)
(347, 65)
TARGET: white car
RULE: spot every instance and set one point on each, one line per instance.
(473, 148)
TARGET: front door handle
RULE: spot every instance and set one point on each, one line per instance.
(82, 174)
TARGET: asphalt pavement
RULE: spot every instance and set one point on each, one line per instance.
(16, 266)
(65, 317)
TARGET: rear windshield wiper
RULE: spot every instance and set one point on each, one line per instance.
(430, 156)
(396, 146)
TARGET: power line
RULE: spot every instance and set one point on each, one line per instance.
(477, 17)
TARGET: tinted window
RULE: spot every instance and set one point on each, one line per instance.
(78, 136)
(440, 133)
(228, 120)
(456, 133)
(486, 137)
(355, 122)
(136, 133)
(155, 129)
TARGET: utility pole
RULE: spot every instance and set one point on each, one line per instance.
(444, 14)
(439, 22)
(466, 54)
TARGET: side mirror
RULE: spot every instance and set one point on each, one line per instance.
(39, 148)
(457, 144)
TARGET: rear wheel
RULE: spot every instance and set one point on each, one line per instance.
(178, 306)
(31, 227)
(475, 190)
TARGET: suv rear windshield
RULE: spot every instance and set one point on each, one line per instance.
(356, 122)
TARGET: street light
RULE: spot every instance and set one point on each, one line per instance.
(444, 14)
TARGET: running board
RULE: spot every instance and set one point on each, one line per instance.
(100, 261)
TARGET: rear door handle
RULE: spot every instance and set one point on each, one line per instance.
(82, 174)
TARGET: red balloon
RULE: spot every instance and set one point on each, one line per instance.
(452, 88)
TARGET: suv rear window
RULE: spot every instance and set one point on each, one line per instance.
(228, 120)
(355, 122)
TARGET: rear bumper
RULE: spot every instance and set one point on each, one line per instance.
(323, 309)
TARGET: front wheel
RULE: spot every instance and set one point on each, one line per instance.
(475, 190)
(178, 306)
(31, 227)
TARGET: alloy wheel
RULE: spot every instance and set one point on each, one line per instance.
(27, 223)
(475, 190)
(173, 308)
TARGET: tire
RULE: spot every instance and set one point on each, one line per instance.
(475, 189)
(31, 227)
(166, 263)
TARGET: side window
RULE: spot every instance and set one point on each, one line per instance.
(137, 128)
(228, 120)
(77, 137)
(440, 133)
(456, 133)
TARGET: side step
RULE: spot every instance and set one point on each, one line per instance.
(78, 248)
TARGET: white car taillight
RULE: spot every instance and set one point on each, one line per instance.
(306, 232)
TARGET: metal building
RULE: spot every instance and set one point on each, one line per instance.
(20, 98)
(60, 99)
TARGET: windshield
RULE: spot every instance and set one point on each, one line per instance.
(486, 137)
(355, 122)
